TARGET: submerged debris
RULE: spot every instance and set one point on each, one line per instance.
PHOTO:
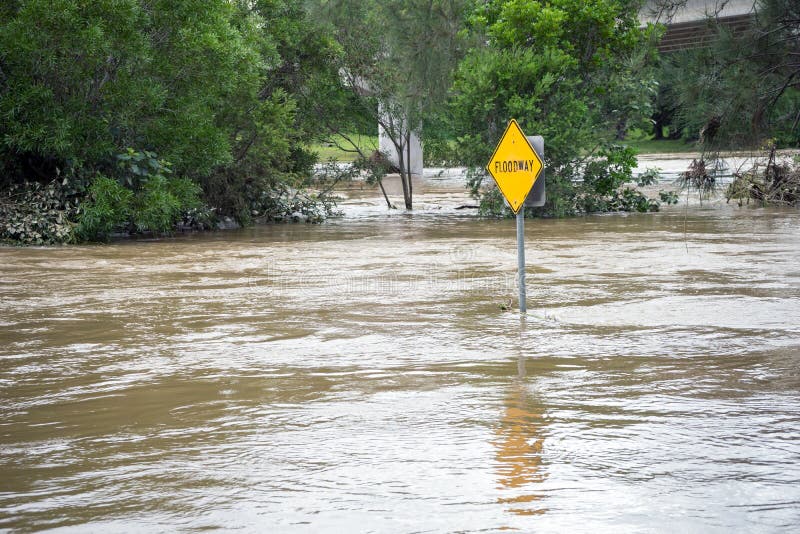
(700, 178)
(773, 184)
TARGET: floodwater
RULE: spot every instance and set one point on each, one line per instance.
(362, 376)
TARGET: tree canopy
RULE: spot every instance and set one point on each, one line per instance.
(558, 68)
(134, 115)
(739, 88)
(212, 87)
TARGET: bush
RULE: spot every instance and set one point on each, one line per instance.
(162, 203)
(629, 199)
(153, 201)
(600, 189)
(612, 168)
(285, 204)
(106, 208)
(161, 200)
(668, 197)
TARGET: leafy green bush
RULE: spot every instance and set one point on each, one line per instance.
(629, 199)
(144, 199)
(106, 208)
(286, 204)
(156, 208)
(668, 197)
(612, 168)
(162, 203)
(649, 177)
(161, 200)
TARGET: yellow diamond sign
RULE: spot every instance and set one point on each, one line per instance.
(515, 166)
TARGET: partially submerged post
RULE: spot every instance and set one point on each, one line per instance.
(535, 199)
(523, 294)
(516, 167)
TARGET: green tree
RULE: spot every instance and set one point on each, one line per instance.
(741, 90)
(560, 69)
(744, 88)
(396, 64)
(210, 85)
(83, 80)
(70, 83)
(271, 119)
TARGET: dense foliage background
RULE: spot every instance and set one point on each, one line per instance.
(739, 89)
(210, 90)
(573, 72)
(142, 116)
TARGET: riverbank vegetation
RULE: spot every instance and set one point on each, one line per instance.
(739, 86)
(584, 70)
(151, 114)
(125, 116)
(737, 89)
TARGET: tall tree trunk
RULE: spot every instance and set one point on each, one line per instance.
(405, 170)
(406, 188)
(408, 170)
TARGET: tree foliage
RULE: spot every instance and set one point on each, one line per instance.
(83, 80)
(740, 88)
(210, 85)
(559, 68)
(228, 93)
(396, 64)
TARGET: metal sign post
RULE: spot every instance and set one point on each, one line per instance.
(516, 167)
(523, 297)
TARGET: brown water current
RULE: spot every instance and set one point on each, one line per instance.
(361, 376)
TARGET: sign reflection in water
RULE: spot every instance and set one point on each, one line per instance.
(519, 444)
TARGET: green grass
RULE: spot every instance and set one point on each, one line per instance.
(643, 142)
(329, 150)
(640, 142)
(664, 146)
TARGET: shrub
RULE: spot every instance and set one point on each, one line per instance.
(668, 197)
(156, 209)
(153, 201)
(106, 208)
(161, 200)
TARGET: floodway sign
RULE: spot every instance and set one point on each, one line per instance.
(515, 166)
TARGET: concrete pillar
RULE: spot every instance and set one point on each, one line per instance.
(386, 146)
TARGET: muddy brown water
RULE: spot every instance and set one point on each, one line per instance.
(361, 376)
